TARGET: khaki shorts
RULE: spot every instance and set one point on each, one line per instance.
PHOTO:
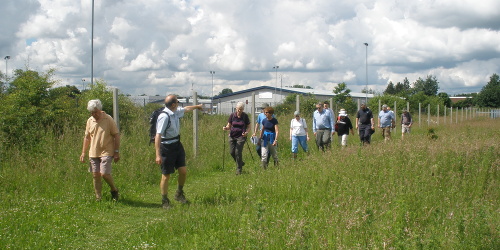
(405, 129)
(100, 165)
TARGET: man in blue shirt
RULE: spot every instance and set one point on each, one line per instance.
(170, 154)
(323, 127)
(386, 121)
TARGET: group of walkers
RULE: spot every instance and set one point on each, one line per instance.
(102, 139)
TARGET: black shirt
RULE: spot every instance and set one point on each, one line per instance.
(364, 116)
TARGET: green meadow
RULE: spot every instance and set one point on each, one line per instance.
(422, 192)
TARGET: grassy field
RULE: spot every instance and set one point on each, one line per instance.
(415, 193)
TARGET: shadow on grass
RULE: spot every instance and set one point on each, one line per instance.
(135, 203)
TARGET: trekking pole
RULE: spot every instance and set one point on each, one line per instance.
(246, 142)
(223, 151)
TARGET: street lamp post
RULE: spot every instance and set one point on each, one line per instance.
(281, 87)
(366, 92)
(6, 75)
(92, 49)
(212, 99)
(276, 67)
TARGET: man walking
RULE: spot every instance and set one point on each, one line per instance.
(323, 127)
(365, 124)
(406, 122)
(170, 154)
(386, 121)
(103, 138)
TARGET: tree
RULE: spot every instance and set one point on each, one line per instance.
(429, 86)
(390, 90)
(368, 91)
(403, 89)
(226, 91)
(489, 96)
(301, 86)
(446, 99)
(24, 114)
(341, 93)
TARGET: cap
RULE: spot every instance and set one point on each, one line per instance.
(264, 105)
(296, 113)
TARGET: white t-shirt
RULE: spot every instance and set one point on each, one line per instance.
(298, 127)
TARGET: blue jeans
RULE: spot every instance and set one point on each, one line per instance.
(295, 143)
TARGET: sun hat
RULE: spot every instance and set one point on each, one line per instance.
(342, 112)
(296, 113)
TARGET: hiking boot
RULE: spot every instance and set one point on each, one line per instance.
(115, 195)
(165, 203)
(179, 196)
(276, 163)
(264, 165)
(238, 171)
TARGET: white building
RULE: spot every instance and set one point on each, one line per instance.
(225, 104)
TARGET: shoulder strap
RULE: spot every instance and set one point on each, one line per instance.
(168, 123)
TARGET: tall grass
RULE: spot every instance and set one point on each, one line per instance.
(412, 193)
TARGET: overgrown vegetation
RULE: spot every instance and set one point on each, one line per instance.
(419, 192)
(437, 188)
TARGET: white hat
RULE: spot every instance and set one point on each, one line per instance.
(342, 112)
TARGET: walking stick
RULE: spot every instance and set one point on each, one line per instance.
(223, 151)
(246, 142)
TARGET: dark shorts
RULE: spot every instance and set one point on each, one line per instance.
(173, 157)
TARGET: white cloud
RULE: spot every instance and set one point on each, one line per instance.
(146, 46)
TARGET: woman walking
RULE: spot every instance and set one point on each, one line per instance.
(237, 124)
(269, 137)
(298, 133)
(344, 125)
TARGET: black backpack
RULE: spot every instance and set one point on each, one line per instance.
(153, 118)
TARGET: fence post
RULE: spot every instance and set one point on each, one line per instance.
(456, 117)
(428, 115)
(297, 103)
(332, 108)
(451, 115)
(195, 125)
(419, 114)
(116, 115)
(444, 115)
(437, 114)
(395, 116)
(252, 122)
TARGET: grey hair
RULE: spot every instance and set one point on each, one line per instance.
(94, 104)
(384, 106)
(240, 105)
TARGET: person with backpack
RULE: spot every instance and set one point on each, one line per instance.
(170, 154)
(406, 122)
(342, 126)
(237, 124)
(298, 134)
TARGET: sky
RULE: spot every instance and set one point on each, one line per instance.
(158, 47)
